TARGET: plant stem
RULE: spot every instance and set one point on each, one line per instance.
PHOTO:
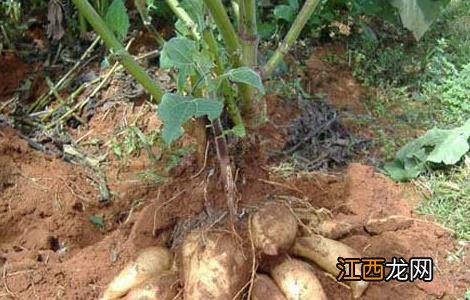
(82, 26)
(232, 108)
(225, 168)
(291, 36)
(248, 34)
(104, 80)
(183, 15)
(236, 10)
(115, 46)
(147, 21)
(226, 29)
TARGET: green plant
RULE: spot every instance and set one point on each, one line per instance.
(12, 9)
(14, 20)
(206, 70)
(447, 198)
(334, 15)
(131, 140)
(448, 82)
(213, 75)
(437, 146)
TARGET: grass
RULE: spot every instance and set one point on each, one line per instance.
(449, 198)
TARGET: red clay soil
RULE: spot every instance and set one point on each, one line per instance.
(49, 249)
(13, 70)
(336, 81)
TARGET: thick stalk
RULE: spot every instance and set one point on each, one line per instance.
(236, 10)
(291, 37)
(248, 33)
(226, 29)
(183, 15)
(82, 26)
(225, 169)
(115, 46)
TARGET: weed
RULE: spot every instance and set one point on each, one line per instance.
(152, 177)
(175, 157)
(130, 140)
(449, 199)
(284, 169)
(387, 144)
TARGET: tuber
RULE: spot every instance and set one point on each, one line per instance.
(325, 252)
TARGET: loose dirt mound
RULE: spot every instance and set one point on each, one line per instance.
(49, 249)
(337, 82)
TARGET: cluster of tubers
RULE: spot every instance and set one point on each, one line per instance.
(216, 264)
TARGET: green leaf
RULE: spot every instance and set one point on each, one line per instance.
(294, 4)
(450, 149)
(116, 149)
(239, 130)
(117, 19)
(195, 10)
(246, 75)
(398, 172)
(285, 12)
(418, 15)
(437, 146)
(178, 52)
(266, 30)
(379, 8)
(174, 110)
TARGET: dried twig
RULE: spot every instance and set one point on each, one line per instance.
(5, 284)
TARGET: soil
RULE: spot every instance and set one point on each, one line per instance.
(335, 81)
(58, 241)
(11, 76)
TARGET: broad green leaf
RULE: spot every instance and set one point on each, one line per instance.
(284, 12)
(266, 30)
(246, 75)
(181, 79)
(418, 15)
(437, 146)
(117, 19)
(380, 8)
(204, 61)
(174, 110)
(195, 10)
(178, 52)
(450, 149)
(398, 172)
(165, 62)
